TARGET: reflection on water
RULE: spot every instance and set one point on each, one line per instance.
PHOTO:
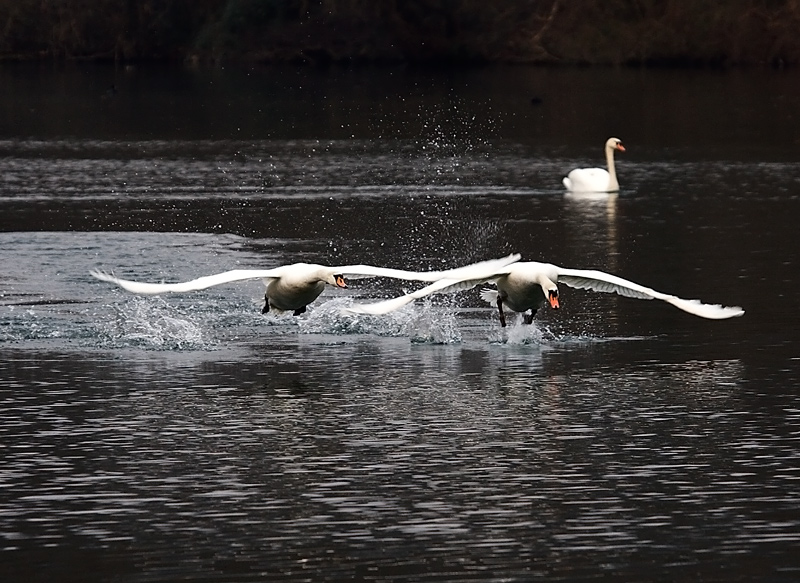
(190, 437)
(595, 216)
(319, 450)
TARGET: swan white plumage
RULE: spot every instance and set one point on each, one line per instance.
(293, 287)
(596, 179)
(529, 286)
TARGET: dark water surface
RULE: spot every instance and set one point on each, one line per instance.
(190, 437)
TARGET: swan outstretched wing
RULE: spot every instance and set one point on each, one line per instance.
(352, 271)
(605, 282)
(459, 279)
(193, 285)
(443, 286)
(362, 271)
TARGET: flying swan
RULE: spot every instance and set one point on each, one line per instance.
(596, 179)
(529, 286)
(290, 288)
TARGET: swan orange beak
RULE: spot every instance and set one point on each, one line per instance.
(553, 297)
(340, 281)
(620, 147)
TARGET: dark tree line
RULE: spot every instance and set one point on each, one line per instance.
(323, 31)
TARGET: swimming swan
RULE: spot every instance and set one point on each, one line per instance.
(596, 179)
(529, 286)
(290, 288)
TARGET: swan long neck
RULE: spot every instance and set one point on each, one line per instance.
(612, 171)
(546, 284)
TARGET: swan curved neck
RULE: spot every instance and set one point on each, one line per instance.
(612, 171)
(546, 283)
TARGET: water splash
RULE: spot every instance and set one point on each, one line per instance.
(428, 325)
(433, 321)
(332, 317)
(158, 324)
(155, 324)
(518, 333)
(19, 324)
(433, 325)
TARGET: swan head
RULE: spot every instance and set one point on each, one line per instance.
(547, 282)
(552, 297)
(614, 144)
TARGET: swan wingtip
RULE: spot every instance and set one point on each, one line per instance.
(102, 275)
(723, 312)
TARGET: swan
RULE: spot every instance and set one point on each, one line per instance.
(596, 179)
(528, 286)
(290, 288)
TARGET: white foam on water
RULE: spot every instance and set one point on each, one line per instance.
(430, 324)
(518, 333)
(332, 317)
(155, 324)
(424, 323)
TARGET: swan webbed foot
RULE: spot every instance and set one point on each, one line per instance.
(528, 318)
(299, 311)
(265, 309)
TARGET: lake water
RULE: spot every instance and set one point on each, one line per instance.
(189, 437)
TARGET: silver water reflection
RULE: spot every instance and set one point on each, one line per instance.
(499, 457)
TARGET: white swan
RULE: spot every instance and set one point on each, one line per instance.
(293, 287)
(528, 286)
(596, 179)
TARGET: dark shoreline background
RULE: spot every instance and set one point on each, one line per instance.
(321, 32)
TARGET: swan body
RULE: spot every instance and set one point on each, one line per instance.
(293, 287)
(527, 286)
(596, 179)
